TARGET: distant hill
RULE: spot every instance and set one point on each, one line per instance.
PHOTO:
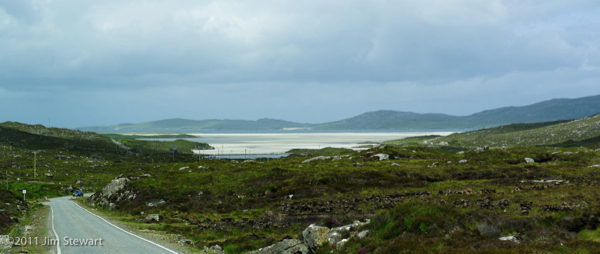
(546, 111)
(395, 120)
(177, 123)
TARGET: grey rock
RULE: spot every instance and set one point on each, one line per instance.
(155, 203)
(396, 164)
(114, 186)
(341, 243)
(462, 161)
(153, 217)
(337, 158)
(5, 242)
(287, 246)
(529, 160)
(509, 238)
(145, 175)
(48, 175)
(334, 237)
(382, 156)
(363, 234)
(213, 250)
(315, 236)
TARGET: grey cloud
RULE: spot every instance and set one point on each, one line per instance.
(325, 53)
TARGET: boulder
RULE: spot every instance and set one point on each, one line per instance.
(317, 158)
(48, 175)
(287, 246)
(334, 238)
(462, 161)
(145, 175)
(5, 242)
(213, 250)
(362, 234)
(114, 186)
(153, 217)
(382, 156)
(340, 244)
(509, 238)
(337, 158)
(155, 203)
(315, 236)
(529, 160)
(396, 164)
(183, 168)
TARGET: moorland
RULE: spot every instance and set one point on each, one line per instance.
(522, 188)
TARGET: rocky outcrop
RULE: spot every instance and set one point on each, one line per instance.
(287, 246)
(213, 250)
(382, 156)
(153, 218)
(113, 193)
(529, 160)
(313, 237)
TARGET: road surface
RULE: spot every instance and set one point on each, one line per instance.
(76, 230)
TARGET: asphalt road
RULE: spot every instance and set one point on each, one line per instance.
(80, 231)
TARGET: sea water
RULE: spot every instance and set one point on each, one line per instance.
(246, 144)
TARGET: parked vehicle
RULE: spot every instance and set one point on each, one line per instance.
(78, 193)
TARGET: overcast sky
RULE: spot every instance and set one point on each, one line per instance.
(89, 63)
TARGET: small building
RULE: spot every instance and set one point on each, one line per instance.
(443, 143)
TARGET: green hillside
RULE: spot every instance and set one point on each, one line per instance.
(585, 129)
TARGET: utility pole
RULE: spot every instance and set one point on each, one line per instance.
(35, 164)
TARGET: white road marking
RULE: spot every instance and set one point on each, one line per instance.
(163, 247)
(57, 239)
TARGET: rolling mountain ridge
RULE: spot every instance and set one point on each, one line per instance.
(545, 111)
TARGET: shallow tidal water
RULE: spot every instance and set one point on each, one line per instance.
(278, 143)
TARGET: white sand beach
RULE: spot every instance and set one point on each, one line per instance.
(268, 143)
